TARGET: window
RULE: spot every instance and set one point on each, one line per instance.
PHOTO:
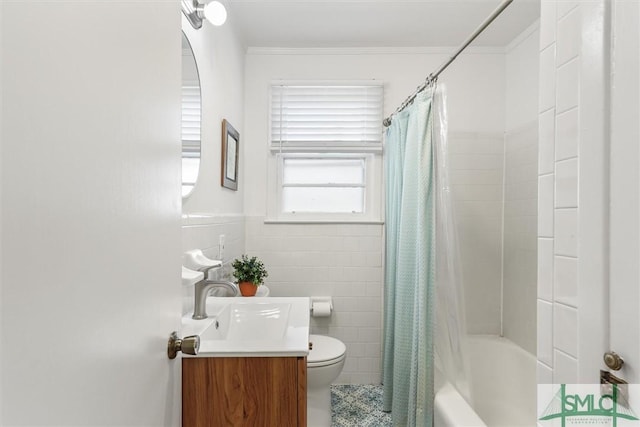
(190, 135)
(326, 145)
(323, 184)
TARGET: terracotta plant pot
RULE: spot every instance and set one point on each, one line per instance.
(247, 289)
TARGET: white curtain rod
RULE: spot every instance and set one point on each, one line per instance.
(431, 78)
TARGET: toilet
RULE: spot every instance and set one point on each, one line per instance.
(324, 364)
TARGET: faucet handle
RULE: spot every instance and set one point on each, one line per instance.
(188, 345)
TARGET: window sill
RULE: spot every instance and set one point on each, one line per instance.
(323, 221)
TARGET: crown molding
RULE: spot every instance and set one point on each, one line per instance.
(255, 50)
(522, 36)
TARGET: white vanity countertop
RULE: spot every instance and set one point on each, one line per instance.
(252, 327)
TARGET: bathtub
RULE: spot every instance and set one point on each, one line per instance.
(503, 381)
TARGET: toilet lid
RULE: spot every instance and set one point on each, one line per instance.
(325, 351)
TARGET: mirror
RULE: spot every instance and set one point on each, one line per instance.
(191, 118)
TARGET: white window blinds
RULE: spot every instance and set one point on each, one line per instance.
(190, 135)
(191, 120)
(331, 116)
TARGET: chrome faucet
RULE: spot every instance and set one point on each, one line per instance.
(201, 292)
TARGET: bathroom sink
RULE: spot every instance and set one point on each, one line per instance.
(249, 321)
(252, 327)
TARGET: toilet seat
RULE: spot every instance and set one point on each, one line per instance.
(326, 351)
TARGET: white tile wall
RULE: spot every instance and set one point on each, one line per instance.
(547, 23)
(565, 329)
(564, 7)
(545, 269)
(203, 232)
(567, 134)
(545, 205)
(566, 232)
(568, 37)
(338, 260)
(565, 368)
(547, 131)
(565, 276)
(567, 86)
(545, 332)
(567, 183)
(545, 374)
(558, 192)
(547, 78)
(520, 236)
(476, 174)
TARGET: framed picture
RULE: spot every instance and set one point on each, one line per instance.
(230, 149)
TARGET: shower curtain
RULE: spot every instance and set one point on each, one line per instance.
(419, 219)
(451, 356)
(410, 262)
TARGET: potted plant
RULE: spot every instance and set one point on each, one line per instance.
(250, 273)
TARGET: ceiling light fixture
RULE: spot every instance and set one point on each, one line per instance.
(196, 11)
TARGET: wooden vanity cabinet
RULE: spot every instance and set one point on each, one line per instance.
(244, 391)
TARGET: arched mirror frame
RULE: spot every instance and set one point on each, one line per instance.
(191, 122)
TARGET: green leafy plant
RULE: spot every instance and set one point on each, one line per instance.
(249, 270)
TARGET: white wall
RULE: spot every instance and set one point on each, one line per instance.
(522, 69)
(90, 191)
(219, 54)
(343, 260)
(212, 210)
(521, 190)
(1, 198)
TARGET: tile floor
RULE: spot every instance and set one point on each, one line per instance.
(358, 406)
